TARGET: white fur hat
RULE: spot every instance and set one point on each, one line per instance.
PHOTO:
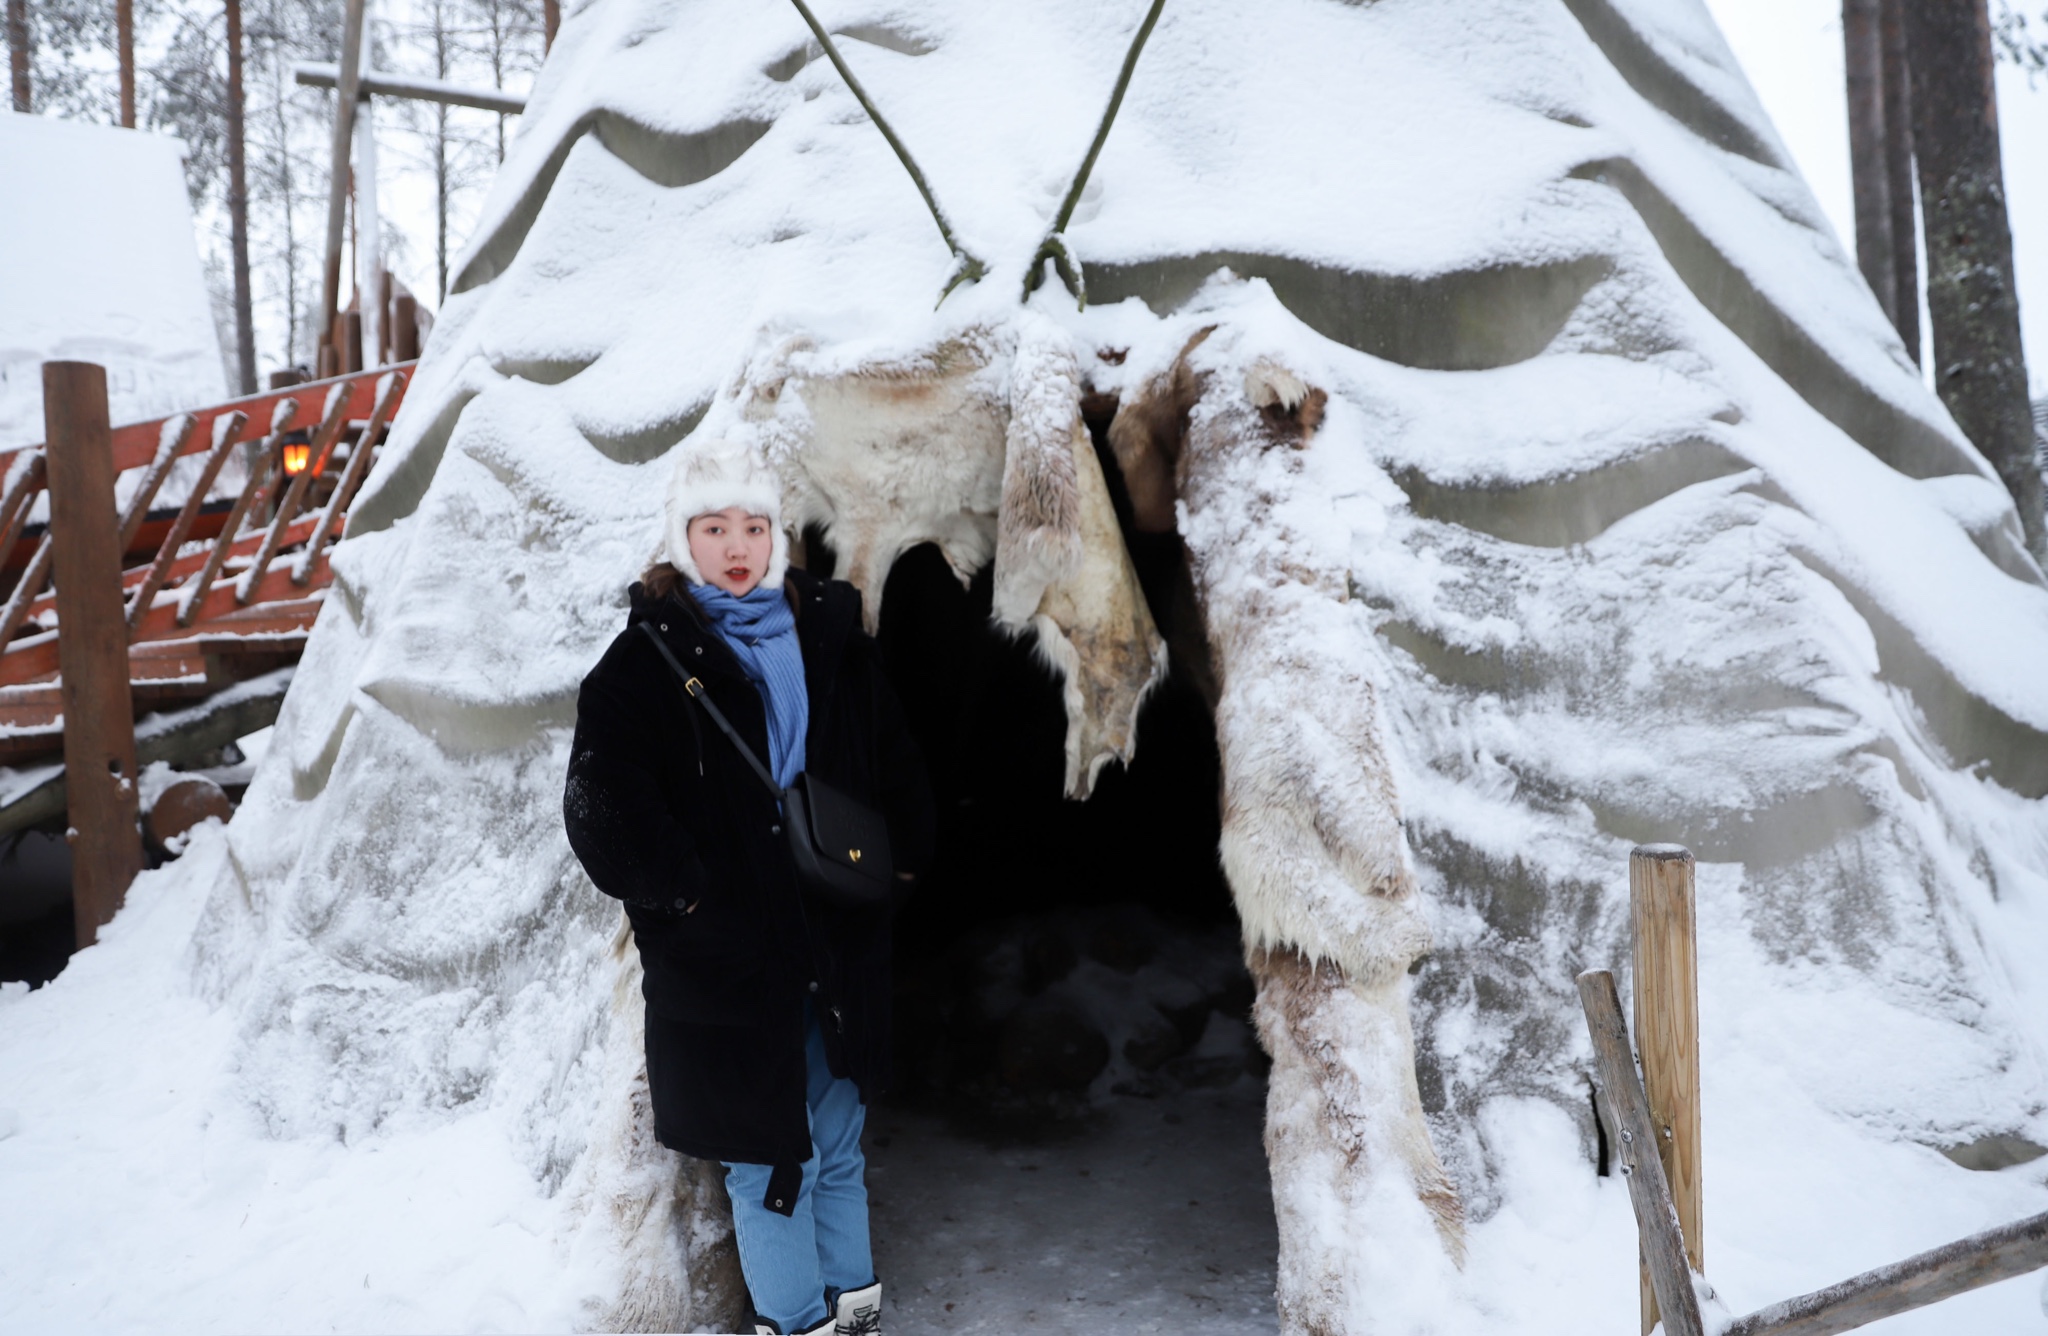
(714, 475)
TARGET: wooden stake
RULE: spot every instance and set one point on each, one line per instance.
(1663, 1247)
(92, 647)
(1937, 1274)
(1667, 1025)
(338, 179)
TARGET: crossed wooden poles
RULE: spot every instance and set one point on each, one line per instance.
(1661, 1109)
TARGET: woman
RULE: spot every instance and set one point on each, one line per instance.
(767, 1010)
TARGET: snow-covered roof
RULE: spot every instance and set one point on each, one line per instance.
(98, 264)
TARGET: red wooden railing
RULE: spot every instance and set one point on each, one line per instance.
(199, 616)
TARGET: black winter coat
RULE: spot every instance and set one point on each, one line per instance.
(667, 816)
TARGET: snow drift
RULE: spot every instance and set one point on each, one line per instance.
(1550, 482)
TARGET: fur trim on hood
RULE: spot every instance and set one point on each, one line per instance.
(713, 475)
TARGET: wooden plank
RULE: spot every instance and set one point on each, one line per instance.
(1925, 1278)
(135, 444)
(158, 571)
(26, 589)
(28, 659)
(388, 394)
(99, 717)
(1667, 1024)
(1656, 1217)
(322, 446)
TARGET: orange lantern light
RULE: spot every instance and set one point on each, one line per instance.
(296, 457)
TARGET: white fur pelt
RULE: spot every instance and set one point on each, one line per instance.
(976, 445)
(885, 453)
(661, 1218)
(1312, 841)
(1345, 1144)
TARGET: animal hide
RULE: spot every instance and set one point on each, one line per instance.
(976, 445)
(1343, 1117)
(664, 1216)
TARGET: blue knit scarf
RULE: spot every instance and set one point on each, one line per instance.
(761, 630)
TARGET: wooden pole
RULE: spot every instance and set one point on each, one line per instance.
(92, 644)
(551, 23)
(1667, 1025)
(338, 181)
(124, 28)
(1663, 1246)
(1937, 1274)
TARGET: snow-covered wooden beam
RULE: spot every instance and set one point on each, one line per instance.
(1929, 1277)
(319, 75)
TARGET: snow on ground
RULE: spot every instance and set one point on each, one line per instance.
(1641, 524)
(1156, 1217)
(98, 264)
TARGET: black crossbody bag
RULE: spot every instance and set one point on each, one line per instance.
(840, 845)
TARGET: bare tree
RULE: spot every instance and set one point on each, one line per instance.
(1979, 368)
(1870, 177)
(238, 206)
(18, 52)
(1898, 166)
(124, 22)
(1881, 160)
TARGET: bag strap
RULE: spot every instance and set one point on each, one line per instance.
(695, 690)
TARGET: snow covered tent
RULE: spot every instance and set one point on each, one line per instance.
(97, 264)
(1547, 481)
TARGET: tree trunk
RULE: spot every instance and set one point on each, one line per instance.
(441, 156)
(17, 51)
(1863, 58)
(1898, 162)
(124, 28)
(1979, 369)
(551, 22)
(238, 207)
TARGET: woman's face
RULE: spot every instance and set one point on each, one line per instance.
(731, 548)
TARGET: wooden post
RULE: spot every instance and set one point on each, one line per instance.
(1667, 1025)
(551, 22)
(92, 644)
(338, 180)
(1663, 1248)
(405, 328)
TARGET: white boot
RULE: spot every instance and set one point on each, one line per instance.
(829, 1327)
(860, 1312)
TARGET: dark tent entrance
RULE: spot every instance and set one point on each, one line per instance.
(1074, 1137)
(1012, 953)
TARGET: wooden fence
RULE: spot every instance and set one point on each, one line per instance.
(213, 597)
(1660, 1107)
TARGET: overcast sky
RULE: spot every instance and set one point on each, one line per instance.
(1792, 51)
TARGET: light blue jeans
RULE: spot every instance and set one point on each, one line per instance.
(792, 1261)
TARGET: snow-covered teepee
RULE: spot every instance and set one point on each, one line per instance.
(1548, 479)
